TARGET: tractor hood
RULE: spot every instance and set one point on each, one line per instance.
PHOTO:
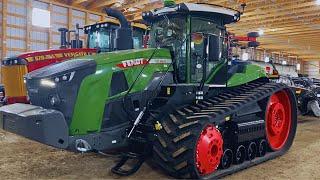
(57, 86)
(120, 59)
(117, 57)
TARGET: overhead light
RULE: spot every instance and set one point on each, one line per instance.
(284, 62)
(266, 59)
(261, 32)
(318, 2)
(131, 9)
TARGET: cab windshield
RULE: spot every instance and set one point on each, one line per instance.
(171, 32)
(168, 31)
(101, 38)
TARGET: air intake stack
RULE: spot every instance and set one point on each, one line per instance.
(124, 39)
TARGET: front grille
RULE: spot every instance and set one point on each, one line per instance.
(65, 91)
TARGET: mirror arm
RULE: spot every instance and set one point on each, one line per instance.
(204, 63)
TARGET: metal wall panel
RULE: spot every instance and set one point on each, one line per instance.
(56, 38)
(40, 5)
(59, 9)
(16, 32)
(312, 69)
(78, 13)
(93, 18)
(78, 17)
(19, 10)
(39, 46)
(59, 18)
(12, 53)
(19, 21)
(16, 28)
(39, 39)
(15, 43)
(41, 36)
(21, 1)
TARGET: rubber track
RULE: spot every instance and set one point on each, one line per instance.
(175, 144)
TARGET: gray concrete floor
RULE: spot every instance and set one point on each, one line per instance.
(24, 159)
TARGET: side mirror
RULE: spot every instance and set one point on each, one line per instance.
(214, 49)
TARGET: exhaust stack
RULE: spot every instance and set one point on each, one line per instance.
(63, 38)
(124, 39)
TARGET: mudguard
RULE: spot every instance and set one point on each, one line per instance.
(46, 126)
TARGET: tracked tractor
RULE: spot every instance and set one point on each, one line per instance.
(101, 37)
(182, 102)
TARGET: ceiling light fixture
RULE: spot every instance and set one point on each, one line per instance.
(261, 32)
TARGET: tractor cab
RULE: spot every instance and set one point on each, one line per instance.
(101, 35)
(196, 35)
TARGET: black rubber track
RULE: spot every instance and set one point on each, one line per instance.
(174, 149)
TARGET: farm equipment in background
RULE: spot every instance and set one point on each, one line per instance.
(307, 94)
(2, 94)
(101, 37)
(250, 48)
(316, 81)
(179, 102)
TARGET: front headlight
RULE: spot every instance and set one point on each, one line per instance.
(47, 83)
(66, 77)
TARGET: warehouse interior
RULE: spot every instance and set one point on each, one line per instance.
(286, 48)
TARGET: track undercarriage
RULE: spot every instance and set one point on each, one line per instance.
(236, 129)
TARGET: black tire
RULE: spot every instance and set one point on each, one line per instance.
(253, 44)
(253, 34)
(174, 148)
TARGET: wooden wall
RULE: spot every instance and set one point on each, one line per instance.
(18, 35)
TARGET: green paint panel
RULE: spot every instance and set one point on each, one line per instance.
(94, 90)
(252, 72)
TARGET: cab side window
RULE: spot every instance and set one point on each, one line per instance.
(204, 32)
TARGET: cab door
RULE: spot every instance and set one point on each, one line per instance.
(207, 53)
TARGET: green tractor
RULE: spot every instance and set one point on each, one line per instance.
(183, 102)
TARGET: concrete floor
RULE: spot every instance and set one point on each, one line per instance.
(24, 159)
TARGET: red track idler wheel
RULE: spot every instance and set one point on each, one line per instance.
(278, 120)
(226, 159)
(209, 150)
(240, 155)
(252, 151)
(262, 149)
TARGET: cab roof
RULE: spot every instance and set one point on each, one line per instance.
(117, 23)
(226, 14)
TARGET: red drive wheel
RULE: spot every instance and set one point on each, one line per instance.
(278, 120)
(209, 150)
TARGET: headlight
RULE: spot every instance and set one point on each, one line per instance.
(65, 77)
(47, 83)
